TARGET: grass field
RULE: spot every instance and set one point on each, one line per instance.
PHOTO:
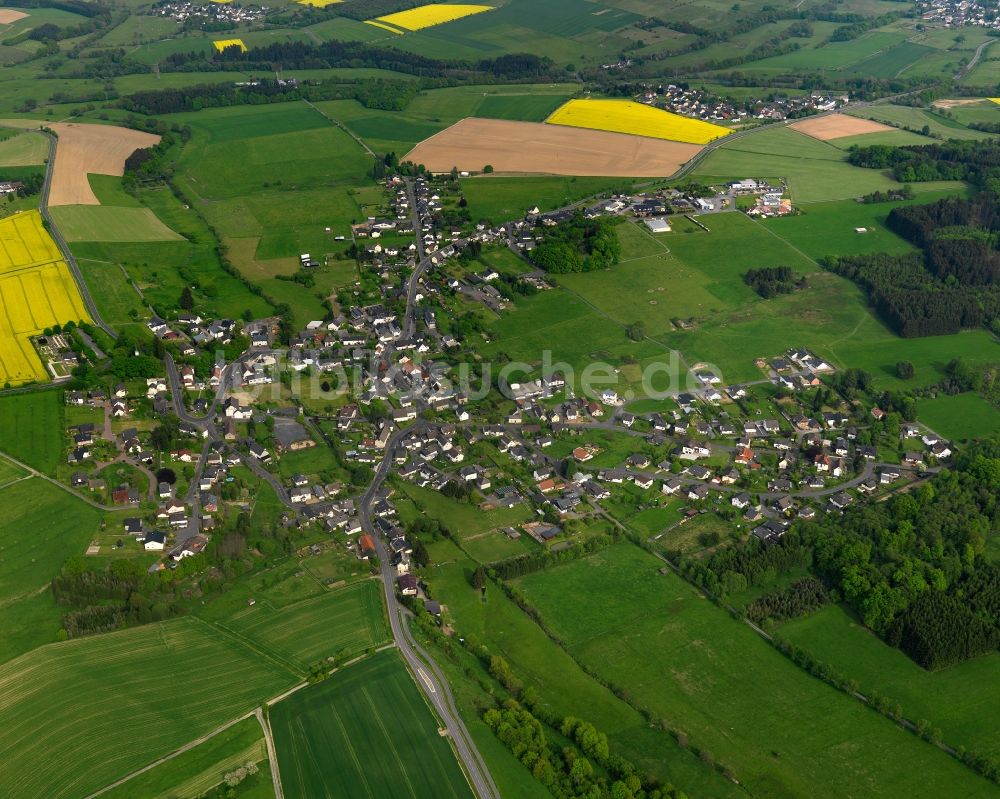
(958, 700)
(480, 532)
(918, 118)
(341, 623)
(31, 428)
(110, 223)
(264, 174)
(960, 416)
(815, 170)
(626, 116)
(193, 773)
(9, 472)
(686, 661)
(40, 527)
(161, 684)
(502, 199)
(23, 149)
(564, 689)
(36, 291)
(366, 731)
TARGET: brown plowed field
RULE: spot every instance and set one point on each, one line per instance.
(86, 149)
(9, 15)
(837, 126)
(535, 148)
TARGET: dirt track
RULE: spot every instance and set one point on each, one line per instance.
(837, 126)
(9, 15)
(535, 148)
(86, 149)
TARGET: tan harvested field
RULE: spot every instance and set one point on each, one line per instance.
(957, 102)
(90, 149)
(536, 148)
(9, 15)
(837, 126)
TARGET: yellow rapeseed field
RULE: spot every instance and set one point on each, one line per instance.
(318, 3)
(222, 44)
(36, 291)
(626, 116)
(416, 19)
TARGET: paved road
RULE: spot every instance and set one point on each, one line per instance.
(974, 60)
(428, 676)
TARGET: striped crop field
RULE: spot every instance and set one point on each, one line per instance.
(364, 732)
(415, 19)
(36, 291)
(112, 703)
(626, 116)
(222, 44)
(340, 623)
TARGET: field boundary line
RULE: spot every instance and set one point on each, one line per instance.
(187, 747)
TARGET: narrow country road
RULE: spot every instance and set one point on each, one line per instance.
(272, 755)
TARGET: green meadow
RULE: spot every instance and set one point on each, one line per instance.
(959, 416)
(31, 428)
(815, 170)
(563, 688)
(110, 223)
(200, 769)
(123, 686)
(957, 700)
(686, 661)
(365, 731)
(341, 623)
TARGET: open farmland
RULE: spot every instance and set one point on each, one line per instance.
(685, 660)
(415, 19)
(341, 623)
(815, 170)
(222, 44)
(563, 688)
(9, 15)
(31, 428)
(36, 291)
(41, 526)
(23, 149)
(837, 126)
(527, 147)
(959, 700)
(636, 119)
(193, 773)
(85, 149)
(110, 223)
(366, 731)
(122, 686)
(959, 416)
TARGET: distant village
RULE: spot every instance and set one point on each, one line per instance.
(698, 104)
(955, 13)
(212, 11)
(760, 453)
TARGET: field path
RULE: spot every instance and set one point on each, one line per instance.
(343, 127)
(187, 747)
(63, 486)
(272, 755)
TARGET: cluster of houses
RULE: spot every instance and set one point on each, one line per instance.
(210, 12)
(957, 13)
(692, 102)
